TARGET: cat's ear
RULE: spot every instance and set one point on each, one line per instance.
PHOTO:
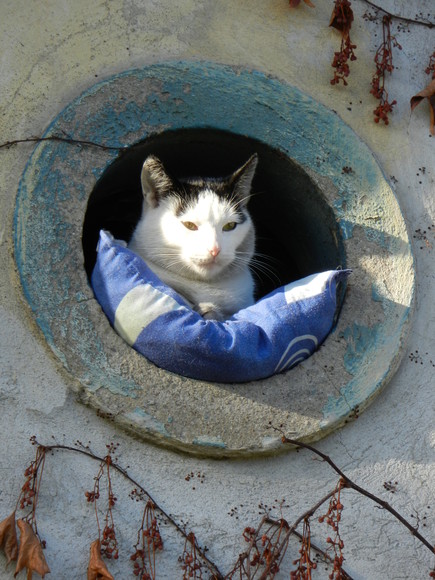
(241, 179)
(156, 183)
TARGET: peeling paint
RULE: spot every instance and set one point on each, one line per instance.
(207, 441)
(140, 417)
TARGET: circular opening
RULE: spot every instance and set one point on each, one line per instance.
(310, 212)
(296, 230)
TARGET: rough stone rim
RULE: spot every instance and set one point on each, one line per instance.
(368, 341)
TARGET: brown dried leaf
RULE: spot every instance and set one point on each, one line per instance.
(97, 569)
(30, 554)
(342, 18)
(429, 94)
(8, 538)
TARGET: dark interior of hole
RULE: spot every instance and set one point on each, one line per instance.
(295, 226)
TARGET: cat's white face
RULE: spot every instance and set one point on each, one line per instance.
(197, 228)
(207, 236)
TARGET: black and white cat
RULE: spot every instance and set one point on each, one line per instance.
(197, 235)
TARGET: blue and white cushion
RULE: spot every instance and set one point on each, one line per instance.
(271, 336)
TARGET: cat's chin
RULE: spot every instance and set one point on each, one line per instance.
(205, 270)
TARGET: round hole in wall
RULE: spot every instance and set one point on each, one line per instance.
(359, 220)
(297, 233)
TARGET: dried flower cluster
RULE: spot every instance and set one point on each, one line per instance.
(332, 519)
(304, 563)
(107, 538)
(267, 546)
(384, 64)
(341, 19)
(190, 564)
(149, 541)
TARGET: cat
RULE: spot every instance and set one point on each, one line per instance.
(198, 237)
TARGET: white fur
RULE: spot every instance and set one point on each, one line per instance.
(189, 244)
(208, 266)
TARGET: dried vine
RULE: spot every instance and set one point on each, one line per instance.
(350, 484)
(267, 543)
(422, 21)
(384, 64)
(105, 546)
(341, 19)
(60, 139)
(149, 541)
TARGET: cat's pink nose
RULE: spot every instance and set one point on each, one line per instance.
(215, 251)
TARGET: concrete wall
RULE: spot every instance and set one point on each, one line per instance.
(50, 53)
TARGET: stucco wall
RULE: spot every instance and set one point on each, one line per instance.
(52, 52)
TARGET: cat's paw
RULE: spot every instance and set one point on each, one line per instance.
(209, 311)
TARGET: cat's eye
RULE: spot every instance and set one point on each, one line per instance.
(229, 226)
(190, 226)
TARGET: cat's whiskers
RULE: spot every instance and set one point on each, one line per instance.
(241, 263)
(236, 202)
(260, 266)
(166, 260)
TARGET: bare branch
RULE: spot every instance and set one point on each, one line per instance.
(60, 139)
(350, 484)
(401, 18)
(216, 574)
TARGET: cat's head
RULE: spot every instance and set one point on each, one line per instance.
(198, 227)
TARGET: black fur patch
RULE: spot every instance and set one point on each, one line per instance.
(187, 193)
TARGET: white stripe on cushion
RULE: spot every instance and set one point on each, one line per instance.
(139, 308)
(306, 288)
(306, 337)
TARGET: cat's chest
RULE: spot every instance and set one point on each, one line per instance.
(228, 293)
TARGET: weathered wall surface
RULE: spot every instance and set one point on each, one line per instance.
(49, 55)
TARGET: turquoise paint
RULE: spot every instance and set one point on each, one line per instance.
(346, 228)
(376, 294)
(360, 340)
(140, 416)
(206, 441)
(52, 197)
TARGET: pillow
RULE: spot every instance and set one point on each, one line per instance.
(271, 336)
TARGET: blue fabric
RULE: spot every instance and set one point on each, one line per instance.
(273, 335)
